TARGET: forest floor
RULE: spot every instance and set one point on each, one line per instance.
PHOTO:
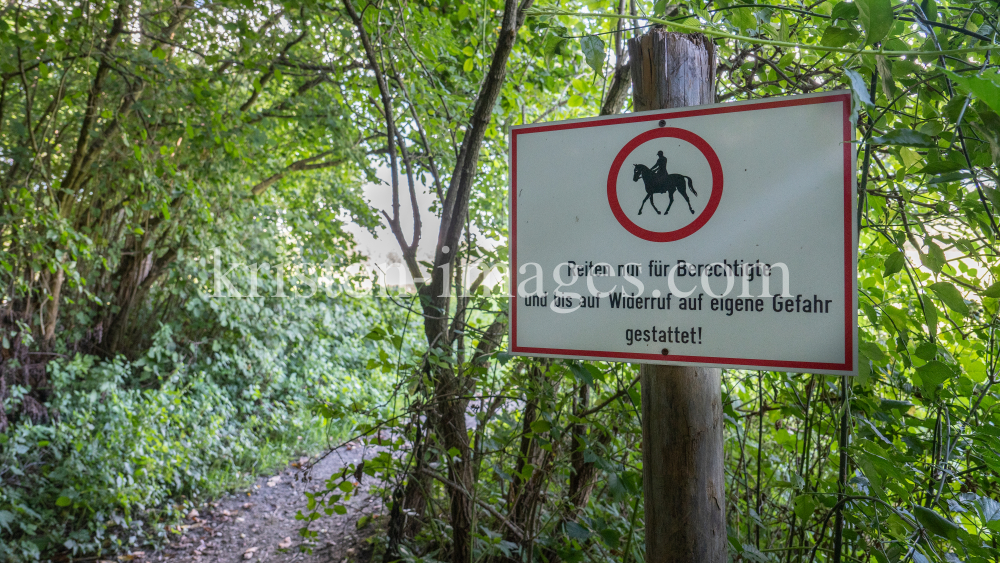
(260, 524)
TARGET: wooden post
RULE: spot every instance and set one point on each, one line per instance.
(683, 474)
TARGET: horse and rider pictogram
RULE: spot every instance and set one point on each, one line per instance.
(701, 167)
(658, 181)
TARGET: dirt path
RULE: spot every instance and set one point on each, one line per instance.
(260, 525)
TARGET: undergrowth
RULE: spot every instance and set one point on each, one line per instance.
(131, 446)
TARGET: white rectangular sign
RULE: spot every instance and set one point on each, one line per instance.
(721, 235)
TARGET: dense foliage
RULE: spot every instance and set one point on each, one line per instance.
(140, 167)
(138, 136)
(227, 389)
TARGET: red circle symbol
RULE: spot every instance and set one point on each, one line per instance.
(700, 220)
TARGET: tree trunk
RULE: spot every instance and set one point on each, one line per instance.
(682, 464)
(50, 307)
(525, 495)
(683, 473)
(456, 438)
(135, 278)
(671, 70)
(409, 502)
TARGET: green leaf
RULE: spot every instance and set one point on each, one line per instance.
(991, 135)
(985, 87)
(876, 18)
(783, 29)
(926, 351)
(992, 291)
(63, 501)
(870, 313)
(930, 9)
(553, 45)
(934, 373)
(935, 523)
(577, 531)
(844, 11)
(743, 18)
(611, 536)
(894, 263)
(835, 36)
(892, 404)
(989, 509)
(884, 66)
(993, 195)
(909, 157)
(934, 258)
(593, 52)
(940, 167)
(540, 425)
(905, 138)
(951, 297)
(582, 373)
(930, 315)
(937, 254)
(467, 67)
(893, 318)
(950, 177)
(804, 505)
(871, 351)
(751, 553)
(859, 93)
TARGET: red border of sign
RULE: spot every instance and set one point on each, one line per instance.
(843, 98)
(700, 220)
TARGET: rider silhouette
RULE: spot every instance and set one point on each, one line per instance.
(660, 168)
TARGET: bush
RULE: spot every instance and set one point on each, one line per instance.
(129, 444)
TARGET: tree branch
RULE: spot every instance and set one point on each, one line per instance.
(409, 250)
(97, 87)
(621, 392)
(455, 486)
(178, 17)
(456, 201)
(299, 165)
(490, 339)
(618, 90)
(266, 77)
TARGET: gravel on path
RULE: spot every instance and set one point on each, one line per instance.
(259, 525)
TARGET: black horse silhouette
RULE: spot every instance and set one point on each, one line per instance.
(662, 184)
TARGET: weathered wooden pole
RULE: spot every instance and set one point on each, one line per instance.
(683, 474)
